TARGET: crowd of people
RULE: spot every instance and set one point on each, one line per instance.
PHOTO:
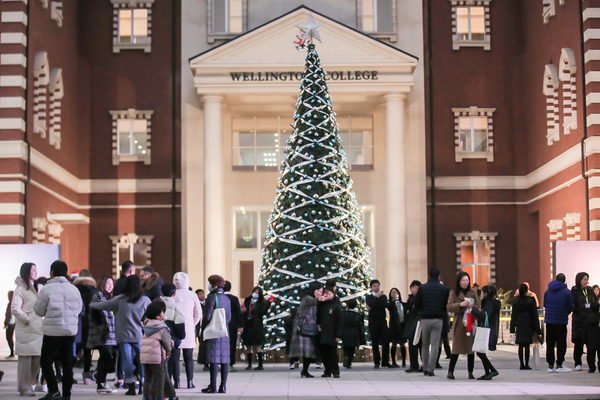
(142, 326)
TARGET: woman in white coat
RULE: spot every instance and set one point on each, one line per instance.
(28, 328)
(189, 307)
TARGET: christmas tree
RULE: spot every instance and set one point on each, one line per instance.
(315, 229)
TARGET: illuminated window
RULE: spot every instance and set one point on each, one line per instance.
(471, 24)
(132, 22)
(377, 16)
(475, 260)
(131, 136)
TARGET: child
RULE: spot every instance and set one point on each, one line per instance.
(156, 348)
(591, 337)
(354, 332)
(289, 328)
(176, 323)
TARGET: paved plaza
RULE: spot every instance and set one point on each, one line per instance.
(363, 382)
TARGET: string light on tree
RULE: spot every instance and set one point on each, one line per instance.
(315, 230)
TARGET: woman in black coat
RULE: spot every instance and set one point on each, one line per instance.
(353, 334)
(217, 350)
(490, 309)
(583, 297)
(524, 321)
(410, 326)
(330, 319)
(254, 309)
(397, 315)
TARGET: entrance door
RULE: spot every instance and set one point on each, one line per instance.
(246, 278)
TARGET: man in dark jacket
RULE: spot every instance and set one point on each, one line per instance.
(127, 268)
(558, 302)
(330, 318)
(410, 326)
(591, 337)
(377, 304)
(234, 324)
(151, 283)
(431, 300)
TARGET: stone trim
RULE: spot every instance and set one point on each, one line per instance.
(56, 13)
(392, 36)
(57, 92)
(555, 227)
(474, 111)
(486, 42)
(131, 4)
(473, 236)
(550, 90)
(567, 74)
(573, 222)
(54, 231)
(41, 78)
(130, 238)
(131, 113)
(548, 10)
(39, 230)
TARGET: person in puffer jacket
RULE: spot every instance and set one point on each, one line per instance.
(156, 349)
(176, 324)
(60, 303)
(558, 302)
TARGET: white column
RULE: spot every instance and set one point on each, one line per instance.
(396, 260)
(214, 226)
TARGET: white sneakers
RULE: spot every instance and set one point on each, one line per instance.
(292, 366)
(563, 369)
(104, 388)
(41, 388)
(551, 370)
(578, 368)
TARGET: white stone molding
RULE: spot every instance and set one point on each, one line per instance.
(573, 222)
(486, 42)
(146, 44)
(39, 230)
(54, 231)
(211, 37)
(548, 10)
(56, 13)
(131, 239)
(57, 92)
(567, 74)
(131, 113)
(474, 111)
(555, 227)
(44, 3)
(41, 78)
(477, 236)
(392, 36)
(550, 90)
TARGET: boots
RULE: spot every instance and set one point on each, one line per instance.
(141, 391)
(259, 356)
(249, 356)
(130, 389)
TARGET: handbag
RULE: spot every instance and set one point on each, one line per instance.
(536, 357)
(481, 342)
(308, 330)
(217, 327)
(417, 337)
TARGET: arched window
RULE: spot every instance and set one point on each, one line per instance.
(567, 72)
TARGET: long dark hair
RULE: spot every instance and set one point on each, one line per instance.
(25, 274)
(390, 298)
(132, 290)
(102, 285)
(312, 287)
(490, 291)
(261, 295)
(457, 288)
(579, 277)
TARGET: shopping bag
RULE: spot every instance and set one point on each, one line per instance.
(481, 342)
(217, 327)
(536, 356)
(417, 337)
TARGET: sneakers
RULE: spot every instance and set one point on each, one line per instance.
(551, 370)
(563, 369)
(292, 366)
(28, 393)
(578, 368)
(52, 396)
(103, 388)
(319, 365)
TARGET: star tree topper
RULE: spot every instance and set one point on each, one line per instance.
(311, 30)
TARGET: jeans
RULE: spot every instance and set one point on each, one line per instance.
(556, 335)
(127, 360)
(431, 336)
(61, 346)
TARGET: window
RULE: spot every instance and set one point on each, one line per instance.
(356, 132)
(131, 136)
(471, 23)
(137, 248)
(476, 256)
(473, 134)
(132, 21)
(259, 142)
(366, 214)
(377, 17)
(133, 26)
(226, 18)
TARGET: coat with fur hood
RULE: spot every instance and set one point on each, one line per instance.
(151, 287)
(156, 342)
(189, 306)
(28, 325)
(60, 303)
